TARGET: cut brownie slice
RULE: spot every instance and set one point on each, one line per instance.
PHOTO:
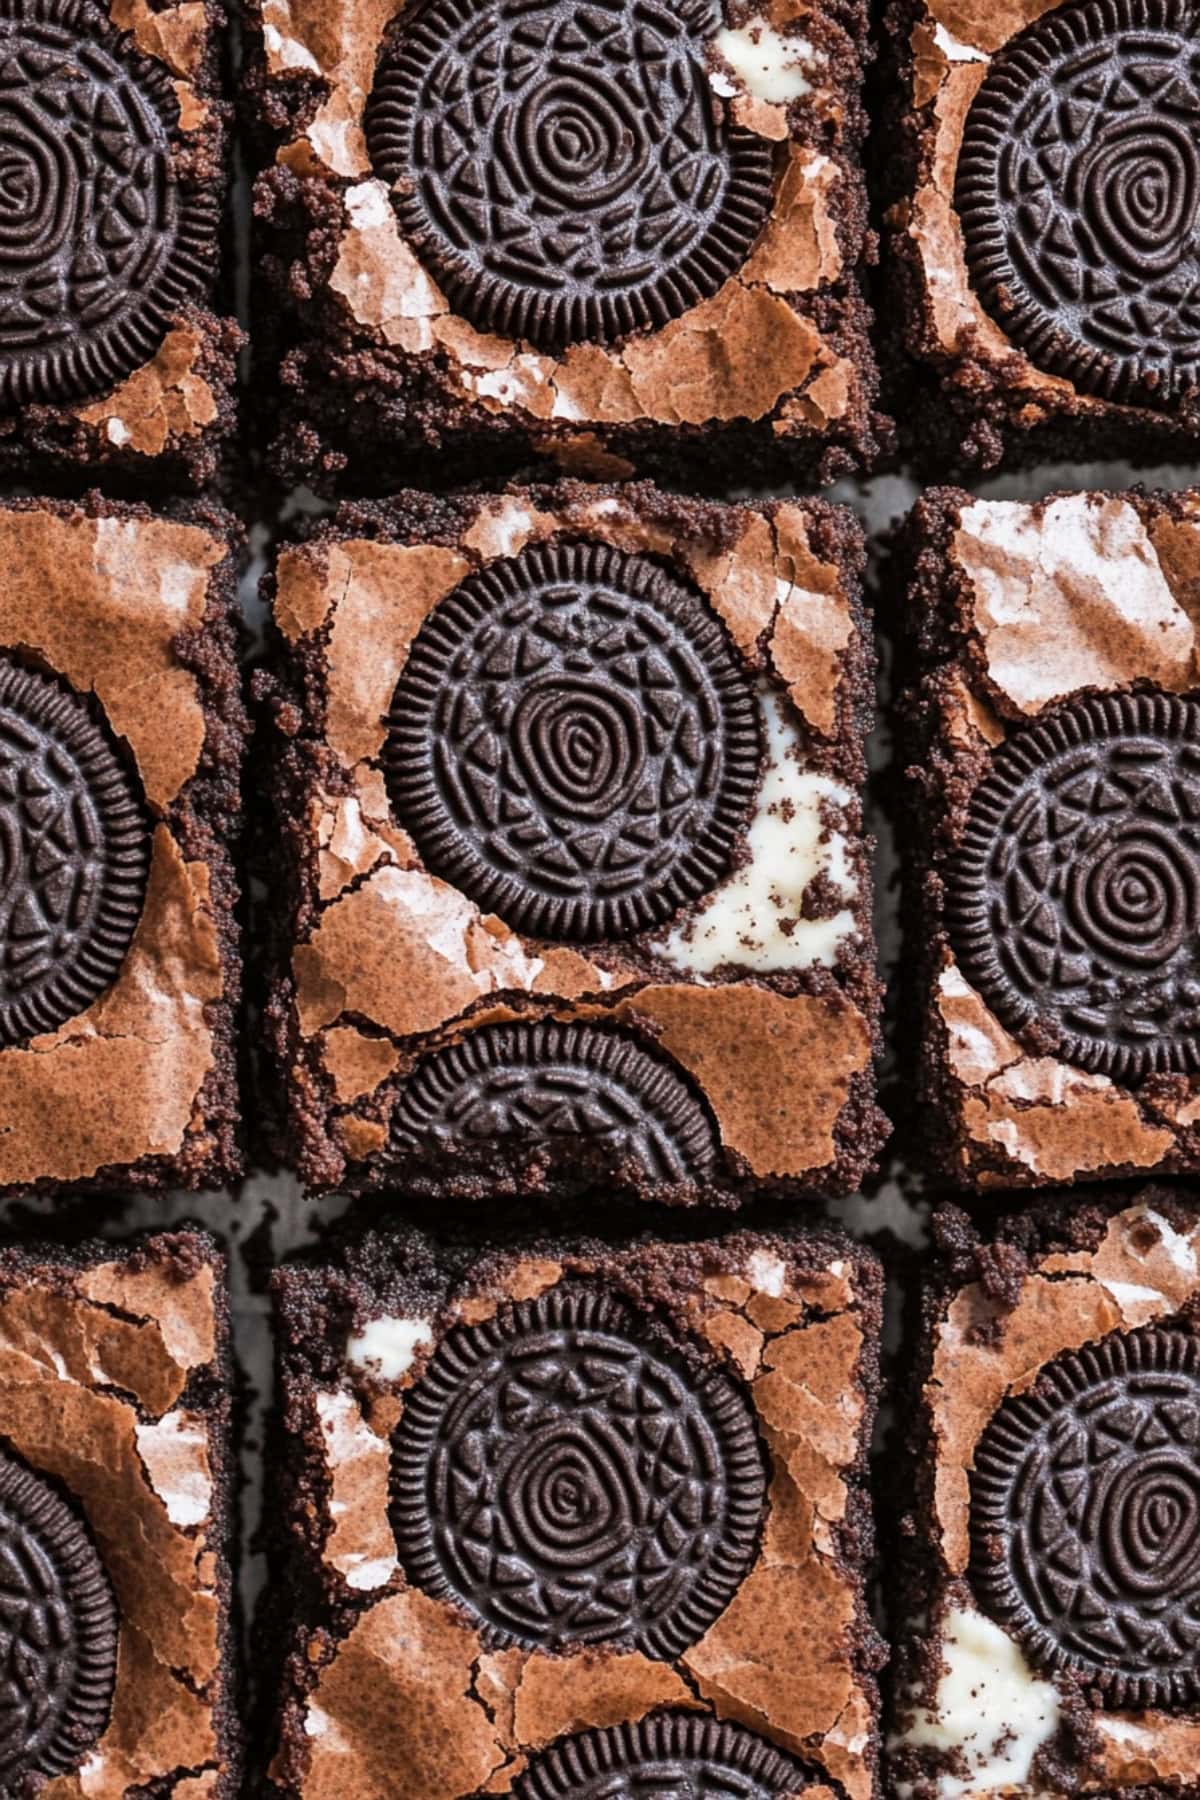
(121, 732)
(1049, 1607)
(549, 1513)
(624, 238)
(1054, 851)
(1045, 181)
(113, 138)
(117, 1487)
(569, 790)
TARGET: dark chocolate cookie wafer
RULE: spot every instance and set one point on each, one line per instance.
(545, 1083)
(683, 1755)
(574, 743)
(100, 241)
(58, 1632)
(1074, 898)
(567, 171)
(74, 855)
(570, 1478)
(1086, 1518)
(1078, 189)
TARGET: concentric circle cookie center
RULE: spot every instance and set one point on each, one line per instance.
(571, 1481)
(566, 171)
(1078, 189)
(1074, 897)
(574, 743)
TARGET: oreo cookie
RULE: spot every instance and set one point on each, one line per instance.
(101, 243)
(684, 1755)
(58, 1633)
(1078, 190)
(74, 855)
(519, 1087)
(1085, 1518)
(567, 173)
(1073, 900)
(569, 1476)
(574, 742)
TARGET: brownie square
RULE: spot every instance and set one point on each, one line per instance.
(121, 734)
(547, 1513)
(573, 884)
(1042, 170)
(117, 1483)
(627, 239)
(1049, 1601)
(114, 137)
(1054, 860)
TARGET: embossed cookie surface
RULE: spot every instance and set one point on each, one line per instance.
(573, 743)
(58, 1632)
(1086, 1518)
(1078, 189)
(99, 242)
(545, 1083)
(74, 855)
(680, 1756)
(570, 1478)
(567, 171)
(1074, 898)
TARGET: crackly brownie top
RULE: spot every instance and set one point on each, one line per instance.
(100, 241)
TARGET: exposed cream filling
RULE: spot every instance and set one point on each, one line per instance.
(753, 917)
(991, 1709)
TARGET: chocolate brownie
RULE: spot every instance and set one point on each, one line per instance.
(117, 1481)
(548, 1515)
(1053, 727)
(1044, 173)
(121, 733)
(113, 148)
(628, 238)
(568, 796)
(1048, 1605)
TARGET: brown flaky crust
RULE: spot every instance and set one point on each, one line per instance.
(1007, 609)
(773, 375)
(965, 396)
(794, 1321)
(997, 1304)
(116, 1371)
(358, 992)
(167, 426)
(138, 611)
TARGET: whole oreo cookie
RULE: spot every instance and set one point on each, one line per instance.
(678, 1756)
(574, 743)
(58, 1633)
(1085, 1518)
(100, 244)
(544, 1083)
(1078, 189)
(569, 1478)
(1073, 902)
(74, 855)
(566, 171)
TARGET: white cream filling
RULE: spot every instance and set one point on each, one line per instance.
(177, 1473)
(1180, 1249)
(991, 1709)
(766, 1274)
(768, 66)
(386, 1347)
(953, 50)
(753, 917)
